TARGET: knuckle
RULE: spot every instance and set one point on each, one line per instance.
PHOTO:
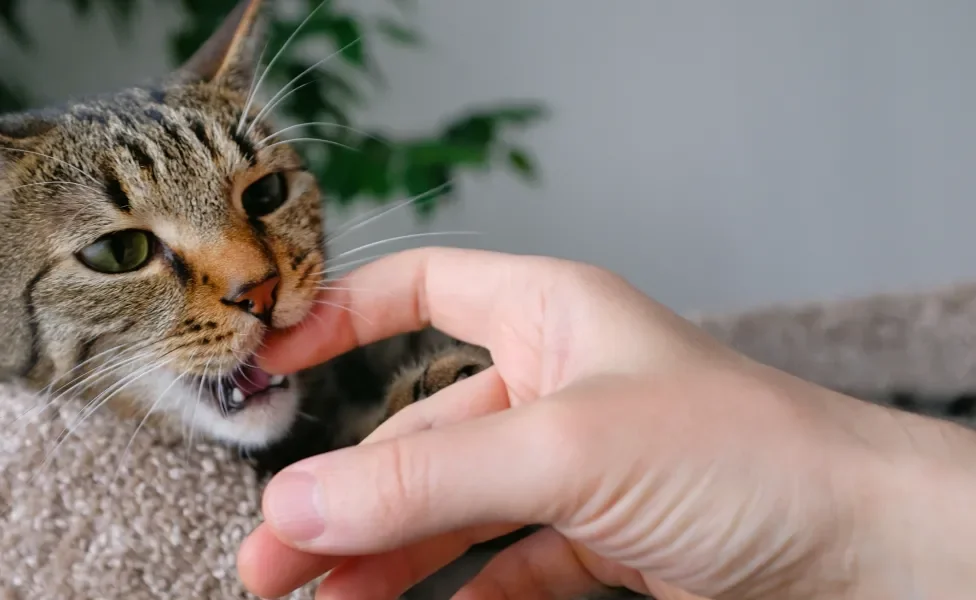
(402, 484)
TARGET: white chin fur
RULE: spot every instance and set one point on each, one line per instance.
(257, 426)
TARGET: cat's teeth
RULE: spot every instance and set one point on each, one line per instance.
(277, 380)
(237, 396)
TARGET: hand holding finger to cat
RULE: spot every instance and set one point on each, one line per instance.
(651, 453)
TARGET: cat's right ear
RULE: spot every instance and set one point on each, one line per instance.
(230, 57)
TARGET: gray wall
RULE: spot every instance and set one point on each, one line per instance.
(719, 154)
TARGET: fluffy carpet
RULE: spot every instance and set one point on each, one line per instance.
(108, 519)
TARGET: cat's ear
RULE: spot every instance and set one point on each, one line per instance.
(230, 57)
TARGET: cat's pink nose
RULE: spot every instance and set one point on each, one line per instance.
(257, 298)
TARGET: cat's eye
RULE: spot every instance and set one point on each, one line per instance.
(119, 252)
(265, 195)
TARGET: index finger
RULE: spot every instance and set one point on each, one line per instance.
(453, 290)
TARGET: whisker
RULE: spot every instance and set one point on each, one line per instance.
(345, 308)
(45, 393)
(311, 139)
(385, 210)
(110, 392)
(351, 263)
(69, 431)
(100, 373)
(308, 417)
(30, 185)
(133, 346)
(142, 423)
(320, 124)
(264, 111)
(57, 160)
(278, 55)
(330, 288)
(400, 238)
(104, 371)
(386, 293)
(88, 379)
(184, 427)
(253, 88)
(272, 105)
(196, 405)
(50, 386)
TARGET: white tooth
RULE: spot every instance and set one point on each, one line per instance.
(237, 396)
(277, 380)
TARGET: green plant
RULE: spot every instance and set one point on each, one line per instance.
(357, 164)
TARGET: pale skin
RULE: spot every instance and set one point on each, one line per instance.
(659, 459)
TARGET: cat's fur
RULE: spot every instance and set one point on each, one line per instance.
(171, 158)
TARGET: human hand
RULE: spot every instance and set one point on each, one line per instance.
(657, 458)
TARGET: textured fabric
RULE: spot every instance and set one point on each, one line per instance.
(921, 342)
(165, 523)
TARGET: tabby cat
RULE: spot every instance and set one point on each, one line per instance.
(153, 236)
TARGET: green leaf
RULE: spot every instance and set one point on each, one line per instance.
(10, 19)
(478, 131)
(523, 164)
(398, 33)
(421, 180)
(516, 114)
(12, 99)
(121, 15)
(376, 155)
(429, 153)
(82, 7)
(375, 166)
(348, 37)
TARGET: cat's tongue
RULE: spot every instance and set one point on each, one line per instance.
(251, 380)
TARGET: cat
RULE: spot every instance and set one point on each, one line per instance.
(152, 236)
(156, 231)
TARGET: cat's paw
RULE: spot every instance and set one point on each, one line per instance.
(438, 371)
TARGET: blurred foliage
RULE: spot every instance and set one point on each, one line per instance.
(321, 97)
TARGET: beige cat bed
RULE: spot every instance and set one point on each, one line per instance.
(165, 522)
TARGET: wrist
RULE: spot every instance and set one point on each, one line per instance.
(917, 502)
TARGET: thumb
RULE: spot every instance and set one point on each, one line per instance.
(507, 467)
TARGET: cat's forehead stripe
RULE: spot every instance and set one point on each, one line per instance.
(117, 194)
(141, 155)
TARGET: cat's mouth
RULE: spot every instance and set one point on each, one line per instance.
(246, 386)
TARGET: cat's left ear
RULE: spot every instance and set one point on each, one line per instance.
(230, 57)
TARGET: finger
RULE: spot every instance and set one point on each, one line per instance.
(270, 569)
(476, 396)
(541, 566)
(384, 495)
(546, 565)
(388, 575)
(453, 290)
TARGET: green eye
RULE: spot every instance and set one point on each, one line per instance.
(119, 252)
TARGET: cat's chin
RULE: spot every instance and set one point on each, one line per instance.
(257, 423)
(212, 409)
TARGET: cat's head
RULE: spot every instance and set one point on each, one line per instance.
(149, 238)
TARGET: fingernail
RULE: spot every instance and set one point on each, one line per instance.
(293, 506)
